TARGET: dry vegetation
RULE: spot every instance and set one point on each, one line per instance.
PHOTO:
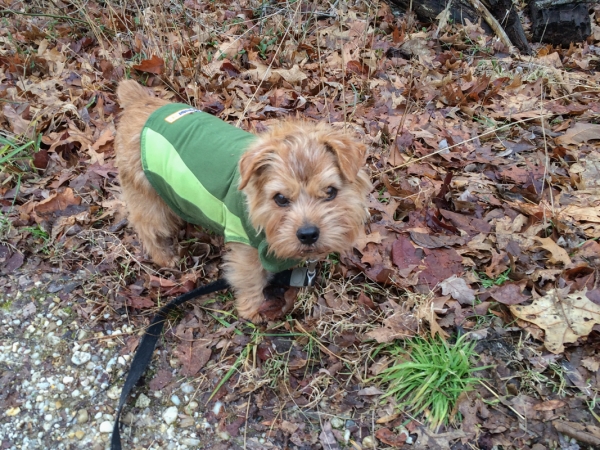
(485, 219)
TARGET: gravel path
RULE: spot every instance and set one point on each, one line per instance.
(60, 383)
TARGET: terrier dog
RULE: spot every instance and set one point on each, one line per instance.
(294, 193)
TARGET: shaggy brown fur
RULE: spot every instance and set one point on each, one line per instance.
(317, 169)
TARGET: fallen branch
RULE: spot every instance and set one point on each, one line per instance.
(493, 23)
(579, 435)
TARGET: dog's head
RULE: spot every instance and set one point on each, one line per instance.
(306, 189)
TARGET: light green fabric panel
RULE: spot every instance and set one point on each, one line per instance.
(160, 158)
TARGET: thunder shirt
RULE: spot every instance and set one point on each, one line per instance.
(191, 159)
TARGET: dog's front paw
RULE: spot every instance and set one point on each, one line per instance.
(254, 317)
(165, 259)
(272, 305)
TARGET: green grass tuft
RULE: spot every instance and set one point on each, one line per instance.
(430, 376)
(488, 282)
(13, 151)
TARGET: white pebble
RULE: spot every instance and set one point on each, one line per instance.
(336, 422)
(187, 388)
(80, 358)
(142, 401)
(67, 380)
(106, 427)
(191, 407)
(224, 436)
(217, 408)
(368, 442)
(175, 400)
(114, 392)
(170, 415)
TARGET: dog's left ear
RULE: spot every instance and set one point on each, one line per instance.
(252, 162)
(349, 153)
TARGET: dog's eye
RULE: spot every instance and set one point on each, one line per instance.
(281, 200)
(331, 193)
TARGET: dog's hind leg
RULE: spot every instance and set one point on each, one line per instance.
(155, 223)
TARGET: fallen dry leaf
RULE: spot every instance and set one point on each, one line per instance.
(427, 311)
(580, 133)
(140, 302)
(509, 294)
(458, 289)
(59, 201)
(564, 317)
(363, 239)
(591, 363)
(584, 214)
(559, 254)
(435, 241)
(193, 355)
(549, 405)
(390, 438)
(400, 324)
(327, 438)
(153, 65)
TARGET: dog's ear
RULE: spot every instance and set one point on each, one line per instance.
(349, 152)
(253, 161)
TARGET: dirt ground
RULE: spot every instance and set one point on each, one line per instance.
(485, 219)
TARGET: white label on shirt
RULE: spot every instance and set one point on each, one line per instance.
(177, 115)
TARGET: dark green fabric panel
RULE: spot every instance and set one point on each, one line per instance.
(184, 209)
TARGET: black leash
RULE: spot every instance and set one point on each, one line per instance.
(143, 355)
(299, 277)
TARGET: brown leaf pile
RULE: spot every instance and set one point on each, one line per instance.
(485, 214)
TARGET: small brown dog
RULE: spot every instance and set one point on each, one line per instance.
(294, 193)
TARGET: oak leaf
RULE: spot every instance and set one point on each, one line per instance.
(559, 254)
(580, 133)
(509, 294)
(458, 289)
(564, 317)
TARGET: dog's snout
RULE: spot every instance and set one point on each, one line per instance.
(308, 234)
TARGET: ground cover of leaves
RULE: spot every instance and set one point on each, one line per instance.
(485, 218)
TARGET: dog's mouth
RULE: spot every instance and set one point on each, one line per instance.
(310, 251)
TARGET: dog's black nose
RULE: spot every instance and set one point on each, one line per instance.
(308, 234)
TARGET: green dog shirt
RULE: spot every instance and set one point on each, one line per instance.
(191, 159)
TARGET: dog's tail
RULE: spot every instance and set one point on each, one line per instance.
(130, 91)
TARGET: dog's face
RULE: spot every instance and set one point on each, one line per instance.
(306, 189)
